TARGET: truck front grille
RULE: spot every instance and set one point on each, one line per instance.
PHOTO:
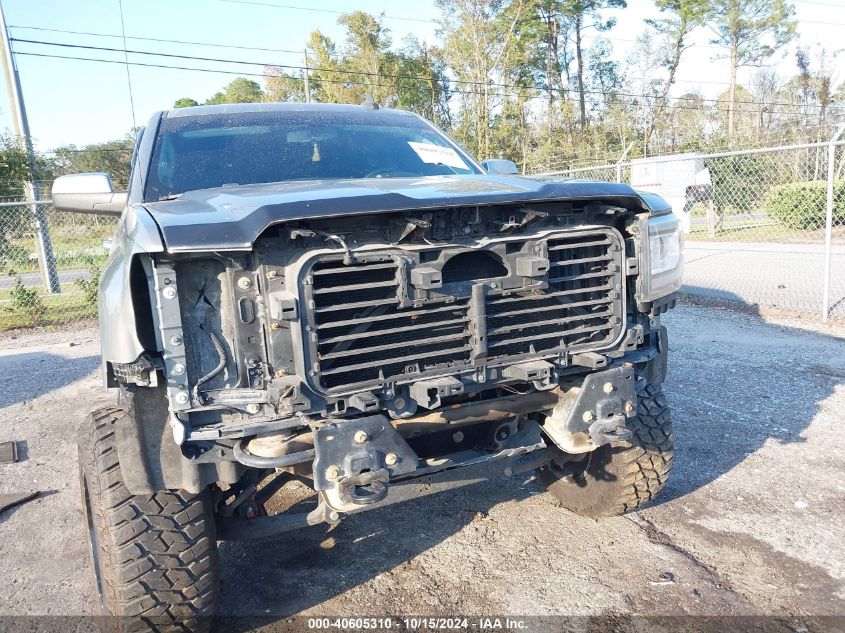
(361, 336)
(578, 311)
(364, 336)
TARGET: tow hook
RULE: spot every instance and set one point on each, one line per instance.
(610, 430)
(594, 413)
(365, 488)
(355, 460)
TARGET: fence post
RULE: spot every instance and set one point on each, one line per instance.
(44, 245)
(621, 160)
(828, 229)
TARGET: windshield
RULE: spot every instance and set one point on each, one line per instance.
(212, 150)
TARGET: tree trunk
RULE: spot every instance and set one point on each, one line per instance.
(580, 59)
(732, 93)
(551, 49)
(661, 102)
(524, 139)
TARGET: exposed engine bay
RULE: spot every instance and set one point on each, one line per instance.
(361, 350)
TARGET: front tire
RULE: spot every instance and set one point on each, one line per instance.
(615, 479)
(154, 557)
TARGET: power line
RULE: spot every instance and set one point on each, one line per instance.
(353, 73)
(260, 3)
(677, 80)
(245, 62)
(823, 22)
(156, 39)
(269, 50)
(315, 10)
(822, 4)
(586, 36)
(298, 52)
(126, 59)
(380, 85)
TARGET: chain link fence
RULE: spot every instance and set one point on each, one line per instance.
(763, 227)
(50, 263)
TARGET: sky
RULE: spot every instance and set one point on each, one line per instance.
(80, 102)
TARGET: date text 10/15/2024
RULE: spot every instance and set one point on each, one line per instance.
(418, 624)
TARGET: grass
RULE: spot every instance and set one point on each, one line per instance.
(73, 247)
(751, 231)
(68, 306)
(752, 225)
(757, 231)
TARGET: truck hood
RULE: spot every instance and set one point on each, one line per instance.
(232, 217)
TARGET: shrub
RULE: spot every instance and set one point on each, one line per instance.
(90, 286)
(803, 205)
(27, 300)
(12, 254)
(739, 181)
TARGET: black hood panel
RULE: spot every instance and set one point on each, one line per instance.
(232, 217)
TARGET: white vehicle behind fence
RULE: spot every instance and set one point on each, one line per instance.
(682, 180)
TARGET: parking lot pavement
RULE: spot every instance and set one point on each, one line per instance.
(750, 524)
(785, 276)
(35, 279)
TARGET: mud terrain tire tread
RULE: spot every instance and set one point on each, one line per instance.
(157, 553)
(621, 478)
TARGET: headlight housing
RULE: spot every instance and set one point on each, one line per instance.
(661, 257)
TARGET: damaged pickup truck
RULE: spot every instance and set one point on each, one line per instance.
(343, 296)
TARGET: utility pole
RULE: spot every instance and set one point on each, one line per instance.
(307, 79)
(47, 259)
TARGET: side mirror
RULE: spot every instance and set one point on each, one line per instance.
(501, 167)
(88, 193)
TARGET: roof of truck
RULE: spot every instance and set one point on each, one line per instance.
(228, 108)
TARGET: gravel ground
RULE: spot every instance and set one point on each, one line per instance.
(751, 523)
(775, 275)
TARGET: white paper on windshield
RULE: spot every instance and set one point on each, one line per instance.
(437, 154)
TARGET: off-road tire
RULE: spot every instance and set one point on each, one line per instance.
(154, 557)
(616, 478)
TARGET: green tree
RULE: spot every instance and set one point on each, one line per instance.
(14, 167)
(585, 15)
(365, 63)
(185, 102)
(14, 172)
(815, 83)
(479, 47)
(751, 31)
(240, 90)
(686, 122)
(681, 17)
(360, 66)
(367, 51)
(421, 84)
(744, 115)
(111, 157)
(603, 71)
(280, 85)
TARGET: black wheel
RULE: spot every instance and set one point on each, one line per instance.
(615, 479)
(154, 557)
